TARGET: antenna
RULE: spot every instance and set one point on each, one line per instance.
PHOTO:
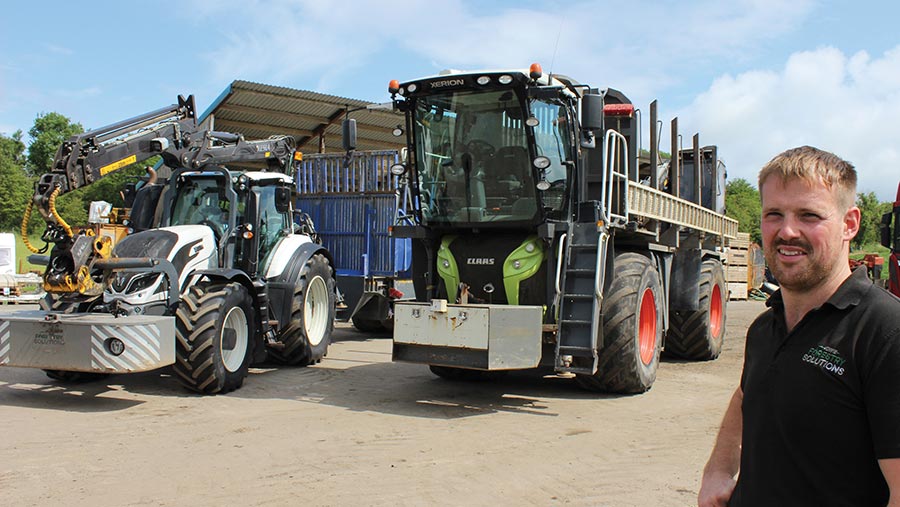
(556, 47)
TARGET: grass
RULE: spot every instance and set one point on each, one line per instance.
(22, 253)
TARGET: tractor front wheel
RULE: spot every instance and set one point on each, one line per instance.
(214, 337)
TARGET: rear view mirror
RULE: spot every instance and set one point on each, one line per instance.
(283, 199)
(348, 134)
(592, 111)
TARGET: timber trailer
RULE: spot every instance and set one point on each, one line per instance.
(542, 239)
(214, 275)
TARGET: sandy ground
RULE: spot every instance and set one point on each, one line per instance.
(358, 429)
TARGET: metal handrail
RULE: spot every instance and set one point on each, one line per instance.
(559, 256)
(610, 157)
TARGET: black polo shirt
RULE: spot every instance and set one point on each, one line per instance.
(822, 403)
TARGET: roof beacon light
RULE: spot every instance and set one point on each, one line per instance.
(618, 110)
(393, 86)
(535, 71)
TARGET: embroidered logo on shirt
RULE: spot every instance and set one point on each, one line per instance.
(827, 358)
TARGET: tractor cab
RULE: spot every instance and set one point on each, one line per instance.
(487, 154)
(247, 212)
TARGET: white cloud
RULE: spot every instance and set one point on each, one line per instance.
(640, 47)
(845, 104)
(91, 91)
(822, 97)
(60, 50)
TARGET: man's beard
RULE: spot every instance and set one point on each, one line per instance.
(796, 278)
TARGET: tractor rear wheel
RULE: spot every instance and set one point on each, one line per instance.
(307, 337)
(214, 330)
(632, 329)
(699, 335)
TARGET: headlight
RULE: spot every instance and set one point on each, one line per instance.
(541, 162)
(142, 281)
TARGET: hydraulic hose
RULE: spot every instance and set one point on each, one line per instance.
(52, 204)
(24, 229)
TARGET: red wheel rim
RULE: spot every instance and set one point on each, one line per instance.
(647, 327)
(715, 312)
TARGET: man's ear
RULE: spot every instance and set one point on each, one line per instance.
(852, 219)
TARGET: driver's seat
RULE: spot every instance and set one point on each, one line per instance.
(510, 168)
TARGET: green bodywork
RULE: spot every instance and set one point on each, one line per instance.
(446, 267)
(520, 265)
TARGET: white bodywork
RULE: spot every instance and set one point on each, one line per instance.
(284, 252)
(203, 255)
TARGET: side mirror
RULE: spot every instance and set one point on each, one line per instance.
(886, 230)
(592, 112)
(348, 134)
(283, 199)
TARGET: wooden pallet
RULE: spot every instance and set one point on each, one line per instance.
(737, 291)
(737, 270)
(736, 273)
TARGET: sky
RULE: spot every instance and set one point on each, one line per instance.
(754, 77)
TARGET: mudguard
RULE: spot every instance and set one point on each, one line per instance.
(281, 285)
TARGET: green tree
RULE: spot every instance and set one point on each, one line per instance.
(12, 148)
(16, 189)
(742, 204)
(47, 134)
(871, 210)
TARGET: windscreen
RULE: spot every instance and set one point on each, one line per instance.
(200, 200)
(473, 161)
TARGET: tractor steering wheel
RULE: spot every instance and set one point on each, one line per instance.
(480, 149)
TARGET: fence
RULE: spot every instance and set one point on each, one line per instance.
(352, 202)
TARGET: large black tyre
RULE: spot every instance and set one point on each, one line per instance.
(367, 325)
(463, 374)
(214, 331)
(632, 327)
(51, 303)
(699, 335)
(307, 337)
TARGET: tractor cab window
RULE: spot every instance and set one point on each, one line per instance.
(273, 225)
(201, 201)
(473, 160)
(553, 137)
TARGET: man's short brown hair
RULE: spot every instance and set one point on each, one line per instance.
(814, 166)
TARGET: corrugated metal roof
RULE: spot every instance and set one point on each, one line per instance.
(258, 111)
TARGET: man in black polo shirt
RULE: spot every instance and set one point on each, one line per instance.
(816, 419)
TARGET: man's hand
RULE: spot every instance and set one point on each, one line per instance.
(718, 481)
(715, 489)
